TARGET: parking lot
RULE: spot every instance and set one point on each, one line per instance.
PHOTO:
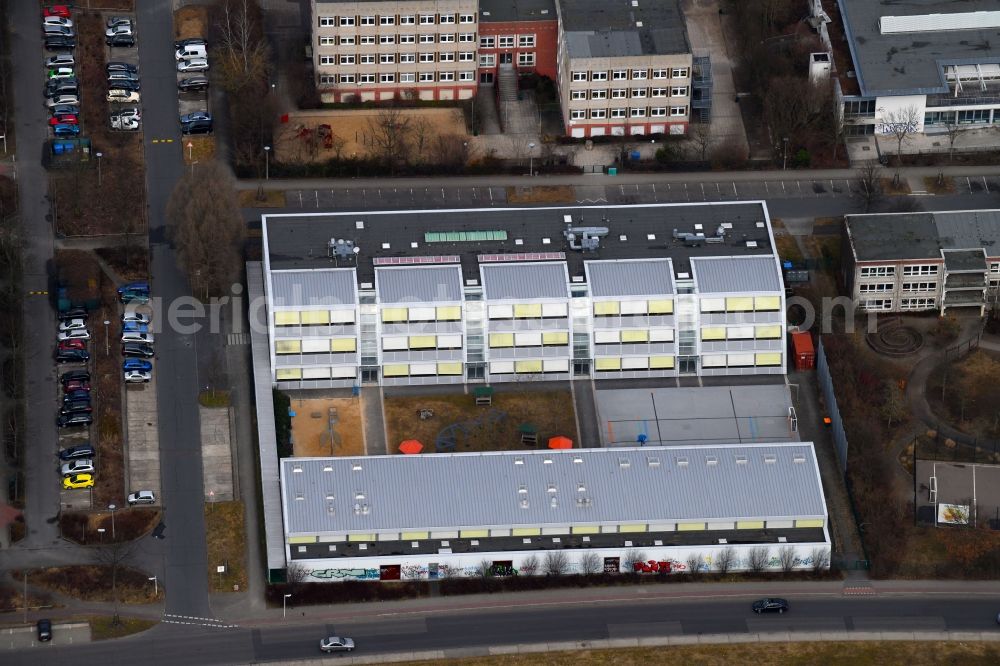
(143, 438)
(20, 638)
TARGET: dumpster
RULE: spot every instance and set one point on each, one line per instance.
(803, 351)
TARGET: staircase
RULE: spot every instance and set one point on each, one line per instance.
(507, 83)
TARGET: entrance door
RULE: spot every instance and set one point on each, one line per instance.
(486, 78)
(506, 58)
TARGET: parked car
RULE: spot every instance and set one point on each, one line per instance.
(336, 644)
(190, 41)
(197, 127)
(137, 364)
(76, 385)
(57, 20)
(76, 407)
(74, 376)
(78, 334)
(66, 110)
(66, 130)
(120, 84)
(123, 96)
(72, 356)
(64, 119)
(772, 605)
(70, 420)
(116, 66)
(122, 76)
(57, 10)
(61, 60)
(80, 466)
(64, 72)
(193, 65)
(137, 350)
(72, 324)
(73, 396)
(131, 112)
(191, 51)
(120, 30)
(193, 84)
(135, 327)
(116, 21)
(54, 87)
(43, 628)
(129, 291)
(141, 497)
(78, 451)
(59, 43)
(62, 101)
(137, 376)
(195, 116)
(58, 31)
(78, 481)
(120, 41)
(133, 316)
(124, 123)
(73, 344)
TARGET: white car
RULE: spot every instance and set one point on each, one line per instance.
(141, 497)
(336, 644)
(125, 29)
(130, 113)
(137, 317)
(61, 100)
(137, 376)
(83, 466)
(135, 336)
(60, 60)
(193, 65)
(57, 20)
(123, 96)
(126, 123)
(61, 73)
(72, 324)
(78, 334)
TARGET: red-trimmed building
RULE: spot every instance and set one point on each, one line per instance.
(521, 33)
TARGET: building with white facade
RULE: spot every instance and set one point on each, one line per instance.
(637, 509)
(515, 294)
(904, 262)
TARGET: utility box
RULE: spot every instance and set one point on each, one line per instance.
(803, 351)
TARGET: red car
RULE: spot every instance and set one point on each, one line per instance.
(63, 119)
(72, 344)
(76, 385)
(57, 10)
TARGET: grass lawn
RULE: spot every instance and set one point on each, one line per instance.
(890, 188)
(541, 194)
(551, 412)
(213, 398)
(226, 545)
(787, 248)
(272, 199)
(91, 582)
(202, 149)
(190, 21)
(102, 627)
(944, 186)
(873, 653)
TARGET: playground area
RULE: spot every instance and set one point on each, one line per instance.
(313, 137)
(457, 424)
(316, 418)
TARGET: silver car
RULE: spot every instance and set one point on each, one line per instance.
(336, 644)
(84, 466)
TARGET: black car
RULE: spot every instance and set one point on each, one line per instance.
(137, 350)
(62, 87)
(72, 356)
(76, 407)
(121, 67)
(72, 313)
(76, 419)
(116, 21)
(78, 451)
(44, 628)
(769, 606)
(122, 75)
(197, 127)
(73, 396)
(120, 41)
(193, 84)
(75, 376)
(59, 43)
(132, 86)
(68, 110)
(190, 41)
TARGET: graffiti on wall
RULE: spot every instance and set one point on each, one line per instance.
(345, 574)
(658, 566)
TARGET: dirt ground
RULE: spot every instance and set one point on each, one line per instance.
(551, 412)
(352, 126)
(190, 21)
(541, 194)
(311, 423)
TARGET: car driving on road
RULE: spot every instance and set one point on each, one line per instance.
(336, 644)
(770, 605)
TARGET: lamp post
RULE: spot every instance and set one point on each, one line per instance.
(107, 341)
(99, 155)
(284, 605)
(111, 508)
(101, 531)
(267, 163)
(156, 586)
(531, 159)
(784, 154)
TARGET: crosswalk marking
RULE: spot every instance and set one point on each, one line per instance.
(238, 339)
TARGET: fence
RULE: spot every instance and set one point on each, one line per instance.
(830, 398)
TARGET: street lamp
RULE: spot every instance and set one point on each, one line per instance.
(99, 155)
(784, 154)
(111, 508)
(531, 159)
(101, 531)
(156, 586)
(267, 163)
(107, 342)
(284, 605)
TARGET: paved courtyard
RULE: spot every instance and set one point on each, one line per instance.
(143, 440)
(961, 484)
(216, 454)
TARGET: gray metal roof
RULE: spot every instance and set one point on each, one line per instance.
(901, 236)
(492, 11)
(336, 286)
(525, 280)
(735, 274)
(964, 260)
(646, 277)
(911, 63)
(419, 284)
(613, 28)
(466, 490)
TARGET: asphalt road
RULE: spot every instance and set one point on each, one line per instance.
(463, 632)
(185, 560)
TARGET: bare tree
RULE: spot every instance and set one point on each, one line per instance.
(786, 555)
(791, 109)
(820, 558)
(725, 560)
(451, 151)
(295, 575)
(591, 563)
(633, 556)
(529, 566)
(391, 135)
(422, 133)
(870, 180)
(702, 139)
(894, 407)
(953, 129)
(556, 563)
(901, 124)
(114, 556)
(485, 569)
(243, 52)
(694, 563)
(207, 228)
(760, 557)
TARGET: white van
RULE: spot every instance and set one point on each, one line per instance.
(190, 51)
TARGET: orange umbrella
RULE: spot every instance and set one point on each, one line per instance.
(411, 446)
(560, 442)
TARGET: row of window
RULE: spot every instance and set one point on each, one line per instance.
(417, 342)
(889, 286)
(633, 336)
(316, 346)
(531, 367)
(884, 271)
(369, 40)
(523, 60)
(507, 42)
(742, 304)
(617, 364)
(313, 317)
(336, 372)
(616, 308)
(532, 339)
(392, 77)
(527, 311)
(918, 303)
(632, 112)
(392, 58)
(747, 360)
(408, 19)
(964, 117)
(761, 332)
(760, 359)
(626, 93)
(631, 74)
(422, 314)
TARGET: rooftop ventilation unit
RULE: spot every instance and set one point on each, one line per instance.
(699, 238)
(342, 250)
(584, 239)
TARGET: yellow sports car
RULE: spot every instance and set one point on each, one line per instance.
(79, 481)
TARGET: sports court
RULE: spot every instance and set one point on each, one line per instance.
(695, 415)
(974, 488)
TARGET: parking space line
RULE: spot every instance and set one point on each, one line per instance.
(783, 190)
(985, 185)
(969, 183)
(316, 192)
(735, 191)
(767, 190)
(301, 205)
(703, 196)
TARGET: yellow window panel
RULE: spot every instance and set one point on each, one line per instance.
(449, 312)
(423, 341)
(809, 523)
(343, 344)
(767, 303)
(394, 314)
(287, 346)
(607, 364)
(412, 536)
(397, 370)
(739, 304)
(522, 310)
(606, 308)
(474, 534)
(661, 307)
(586, 529)
(637, 527)
(286, 318)
(449, 368)
(316, 317)
(360, 537)
(713, 305)
(635, 335)
(528, 366)
(713, 333)
(525, 531)
(766, 332)
(302, 539)
(690, 527)
(501, 339)
(555, 338)
(769, 358)
(661, 362)
(288, 373)
(750, 525)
